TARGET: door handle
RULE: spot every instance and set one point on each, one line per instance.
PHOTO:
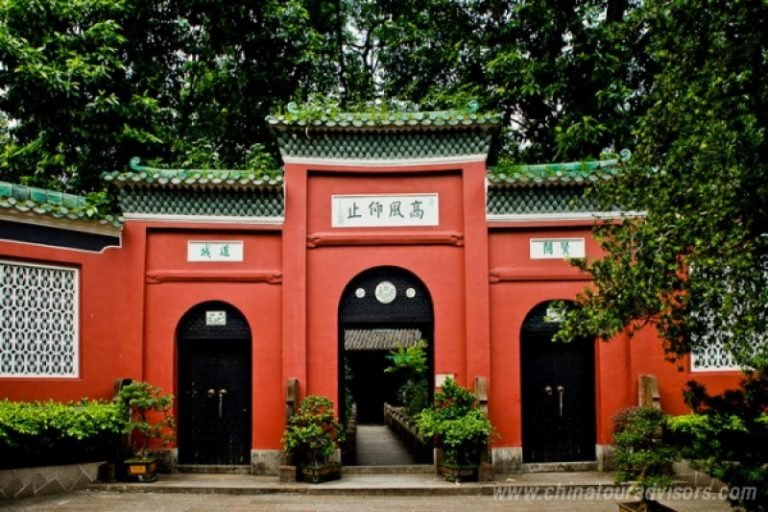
(548, 390)
(222, 394)
(560, 392)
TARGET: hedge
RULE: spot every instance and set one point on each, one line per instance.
(52, 433)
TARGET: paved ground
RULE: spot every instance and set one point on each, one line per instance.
(420, 492)
(95, 501)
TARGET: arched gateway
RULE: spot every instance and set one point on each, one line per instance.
(381, 309)
(214, 386)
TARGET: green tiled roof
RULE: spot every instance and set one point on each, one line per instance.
(194, 178)
(565, 199)
(383, 135)
(33, 200)
(555, 175)
(148, 190)
(222, 202)
(382, 119)
(548, 188)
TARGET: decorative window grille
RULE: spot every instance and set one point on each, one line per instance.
(38, 321)
(714, 356)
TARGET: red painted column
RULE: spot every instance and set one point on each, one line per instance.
(477, 292)
(295, 277)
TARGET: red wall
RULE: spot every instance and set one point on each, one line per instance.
(481, 279)
(109, 307)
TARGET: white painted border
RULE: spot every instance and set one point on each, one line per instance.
(563, 216)
(203, 219)
(64, 223)
(712, 369)
(384, 222)
(535, 255)
(76, 313)
(239, 258)
(385, 162)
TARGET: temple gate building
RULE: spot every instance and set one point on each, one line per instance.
(382, 230)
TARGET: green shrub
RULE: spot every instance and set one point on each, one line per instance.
(461, 429)
(51, 433)
(643, 455)
(727, 437)
(312, 434)
(148, 418)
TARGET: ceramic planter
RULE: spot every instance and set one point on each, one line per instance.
(318, 474)
(141, 470)
(459, 472)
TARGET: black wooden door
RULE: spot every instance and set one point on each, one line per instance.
(214, 395)
(558, 397)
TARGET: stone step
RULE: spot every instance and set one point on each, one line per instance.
(214, 469)
(357, 484)
(408, 469)
(559, 467)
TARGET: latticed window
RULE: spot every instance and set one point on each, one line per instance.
(38, 320)
(714, 356)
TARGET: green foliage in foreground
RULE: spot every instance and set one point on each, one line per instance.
(643, 455)
(42, 433)
(727, 437)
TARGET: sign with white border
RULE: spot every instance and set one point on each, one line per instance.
(216, 250)
(384, 210)
(557, 248)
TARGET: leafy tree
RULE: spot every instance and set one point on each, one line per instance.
(63, 77)
(563, 73)
(89, 83)
(410, 363)
(694, 264)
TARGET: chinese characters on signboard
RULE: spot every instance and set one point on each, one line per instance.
(389, 210)
(557, 248)
(215, 251)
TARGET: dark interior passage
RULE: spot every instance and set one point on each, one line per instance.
(370, 385)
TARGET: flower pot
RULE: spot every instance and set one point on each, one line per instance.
(459, 472)
(141, 470)
(318, 474)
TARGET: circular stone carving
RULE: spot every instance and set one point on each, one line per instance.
(360, 293)
(385, 292)
(410, 293)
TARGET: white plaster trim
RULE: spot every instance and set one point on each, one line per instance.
(386, 162)
(560, 217)
(208, 219)
(81, 226)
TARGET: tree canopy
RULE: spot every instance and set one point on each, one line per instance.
(694, 264)
(86, 84)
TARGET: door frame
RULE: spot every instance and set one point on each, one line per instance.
(193, 318)
(593, 353)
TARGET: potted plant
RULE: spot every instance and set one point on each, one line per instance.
(642, 456)
(311, 439)
(149, 422)
(460, 428)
